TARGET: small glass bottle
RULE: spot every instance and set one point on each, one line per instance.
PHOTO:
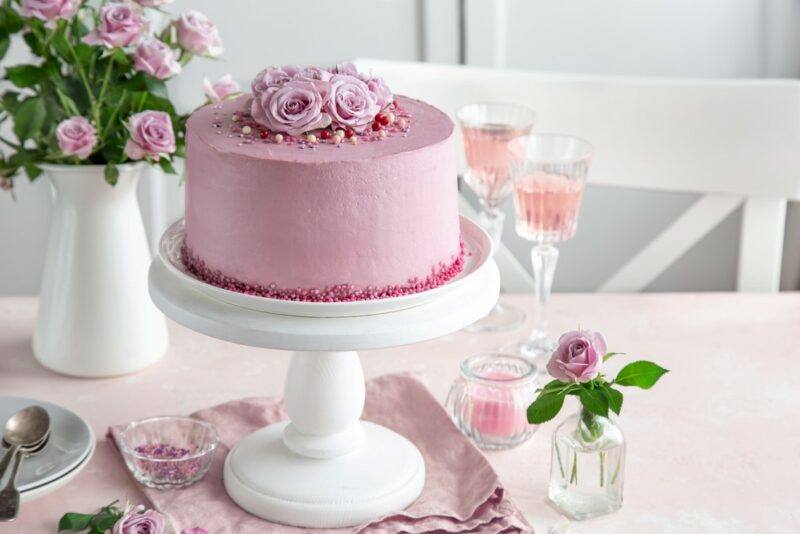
(489, 401)
(587, 466)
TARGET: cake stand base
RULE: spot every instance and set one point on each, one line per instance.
(268, 480)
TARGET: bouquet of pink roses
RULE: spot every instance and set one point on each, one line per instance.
(96, 92)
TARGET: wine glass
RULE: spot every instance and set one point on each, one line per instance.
(549, 176)
(487, 129)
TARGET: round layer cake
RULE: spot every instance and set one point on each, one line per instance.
(334, 217)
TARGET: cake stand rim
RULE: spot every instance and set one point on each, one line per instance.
(326, 309)
(442, 315)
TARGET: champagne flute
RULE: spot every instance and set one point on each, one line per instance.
(549, 176)
(487, 129)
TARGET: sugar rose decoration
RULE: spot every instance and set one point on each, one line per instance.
(294, 100)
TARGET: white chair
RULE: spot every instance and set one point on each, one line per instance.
(733, 141)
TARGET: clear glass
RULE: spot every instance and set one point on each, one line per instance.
(487, 129)
(587, 466)
(489, 401)
(549, 176)
(168, 452)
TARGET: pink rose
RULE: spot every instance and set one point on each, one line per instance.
(383, 95)
(156, 58)
(121, 24)
(221, 89)
(198, 35)
(138, 521)
(578, 357)
(151, 135)
(76, 137)
(351, 103)
(273, 77)
(153, 3)
(50, 10)
(293, 108)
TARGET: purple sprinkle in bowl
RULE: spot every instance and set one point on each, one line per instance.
(168, 452)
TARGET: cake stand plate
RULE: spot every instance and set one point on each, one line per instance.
(324, 468)
(476, 242)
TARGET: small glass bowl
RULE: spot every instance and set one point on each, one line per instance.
(489, 401)
(168, 452)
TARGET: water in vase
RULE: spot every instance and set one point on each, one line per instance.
(587, 467)
(486, 148)
(547, 206)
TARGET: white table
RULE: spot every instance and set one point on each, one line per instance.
(712, 448)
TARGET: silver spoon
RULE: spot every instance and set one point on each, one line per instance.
(26, 429)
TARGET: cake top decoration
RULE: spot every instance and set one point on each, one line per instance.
(296, 101)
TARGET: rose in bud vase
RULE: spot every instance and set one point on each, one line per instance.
(89, 112)
(587, 465)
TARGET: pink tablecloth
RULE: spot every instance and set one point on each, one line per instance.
(711, 448)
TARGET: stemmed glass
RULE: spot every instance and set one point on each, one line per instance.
(549, 176)
(487, 129)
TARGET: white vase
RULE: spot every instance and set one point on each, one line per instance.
(96, 318)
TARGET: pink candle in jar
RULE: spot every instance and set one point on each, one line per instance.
(497, 410)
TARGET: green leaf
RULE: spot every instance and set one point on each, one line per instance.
(545, 407)
(166, 166)
(73, 521)
(105, 520)
(10, 20)
(32, 171)
(10, 101)
(111, 173)
(5, 42)
(29, 118)
(156, 87)
(553, 384)
(594, 401)
(608, 355)
(642, 374)
(614, 398)
(26, 75)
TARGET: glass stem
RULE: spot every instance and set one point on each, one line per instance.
(492, 219)
(544, 257)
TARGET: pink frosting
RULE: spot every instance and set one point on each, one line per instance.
(374, 214)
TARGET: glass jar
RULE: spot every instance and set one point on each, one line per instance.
(489, 401)
(587, 466)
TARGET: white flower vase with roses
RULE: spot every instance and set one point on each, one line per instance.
(587, 465)
(89, 113)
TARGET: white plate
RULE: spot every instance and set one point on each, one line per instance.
(49, 487)
(476, 240)
(71, 441)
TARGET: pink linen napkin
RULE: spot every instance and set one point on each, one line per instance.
(462, 492)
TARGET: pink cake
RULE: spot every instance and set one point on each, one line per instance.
(363, 207)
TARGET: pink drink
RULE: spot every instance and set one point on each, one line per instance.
(486, 147)
(547, 206)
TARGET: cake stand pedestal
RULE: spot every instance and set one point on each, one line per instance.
(325, 467)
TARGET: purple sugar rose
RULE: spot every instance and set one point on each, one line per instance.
(76, 137)
(151, 135)
(50, 10)
(156, 58)
(293, 108)
(121, 24)
(137, 520)
(578, 357)
(383, 95)
(221, 89)
(273, 77)
(350, 103)
(345, 67)
(198, 35)
(153, 3)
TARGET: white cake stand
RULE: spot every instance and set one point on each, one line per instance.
(325, 468)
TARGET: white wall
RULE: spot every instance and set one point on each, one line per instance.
(710, 38)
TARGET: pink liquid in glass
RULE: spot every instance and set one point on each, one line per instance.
(547, 206)
(486, 147)
(495, 410)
